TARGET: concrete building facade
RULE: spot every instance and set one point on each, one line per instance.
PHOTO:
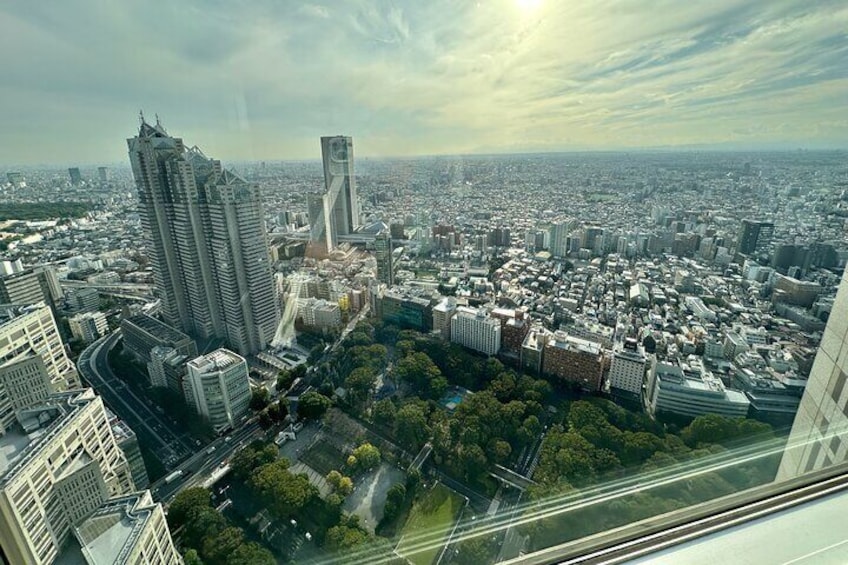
(217, 386)
(819, 436)
(208, 244)
(31, 330)
(475, 329)
(57, 465)
(627, 369)
(88, 326)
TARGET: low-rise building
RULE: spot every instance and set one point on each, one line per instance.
(689, 391)
(319, 313)
(88, 326)
(142, 333)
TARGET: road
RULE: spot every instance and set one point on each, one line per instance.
(172, 444)
(200, 465)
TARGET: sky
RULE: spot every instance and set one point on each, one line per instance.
(263, 79)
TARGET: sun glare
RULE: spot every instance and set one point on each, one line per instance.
(528, 5)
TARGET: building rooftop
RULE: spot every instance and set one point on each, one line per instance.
(216, 360)
(159, 329)
(23, 439)
(110, 533)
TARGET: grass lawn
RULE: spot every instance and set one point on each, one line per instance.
(323, 457)
(430, 523)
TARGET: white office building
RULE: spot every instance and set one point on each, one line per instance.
(217, 386)
(31, 330)
(442, 314)
(688, 390)
(627, 370)
(58, 463)
(126, 529)
(474, 329)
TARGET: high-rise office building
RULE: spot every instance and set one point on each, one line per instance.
(754, 236)
(336, 211)
(58, 464)
(124, 529)
(217, 386)
(385, 259)
(819, 436)
(24, 382)
(103, 174)
(207, 242)
(76, 177)
(31, 330)
(559, 237)
(128, 442)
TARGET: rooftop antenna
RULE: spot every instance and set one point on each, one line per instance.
(157, 119)
(141, 117)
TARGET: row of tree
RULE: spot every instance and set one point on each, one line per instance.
(600, 441)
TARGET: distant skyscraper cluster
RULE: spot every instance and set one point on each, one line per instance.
(207, 242)
(335, 212)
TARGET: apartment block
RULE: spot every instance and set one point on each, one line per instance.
(475, 329)
(575, 360)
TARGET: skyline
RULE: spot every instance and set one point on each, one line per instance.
(436, 79)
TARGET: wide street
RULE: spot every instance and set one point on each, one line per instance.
(200, 466)
(168, 443)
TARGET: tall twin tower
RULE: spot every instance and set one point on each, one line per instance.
(207, 242)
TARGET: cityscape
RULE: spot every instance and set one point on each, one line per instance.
(384, 282)
(309, 361)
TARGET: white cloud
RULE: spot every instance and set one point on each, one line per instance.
(422, 77)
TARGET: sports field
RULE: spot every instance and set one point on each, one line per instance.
(430, 522)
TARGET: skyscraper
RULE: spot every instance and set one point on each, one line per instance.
(819, 436)
(336, 212)
(385, 266)
(207, 242)
(76, 177)
(754, 236)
